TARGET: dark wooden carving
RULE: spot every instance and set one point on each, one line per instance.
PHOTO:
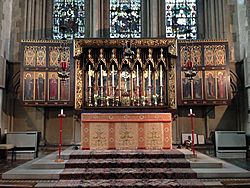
(40, 83)
(211, 85)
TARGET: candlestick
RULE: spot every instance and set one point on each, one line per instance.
(137, 75)
(149, 76)
(190, 111)
(113, 76)
(160, 75)
(89, 77)
(101, 82)
(61, 111)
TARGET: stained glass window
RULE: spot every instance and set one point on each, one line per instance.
(68, 19)
(181, 19)
(125, 18)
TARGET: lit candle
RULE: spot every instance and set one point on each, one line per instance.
(89, 77)
(101, 82)
(149, 76)
(61, 111)
(160, 75)
(137, 75)
(190, 111)
(113, 76)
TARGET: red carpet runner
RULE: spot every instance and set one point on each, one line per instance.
(128, 168)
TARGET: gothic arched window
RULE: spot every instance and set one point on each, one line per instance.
(181, 19)
(68, 19)
(125, 18)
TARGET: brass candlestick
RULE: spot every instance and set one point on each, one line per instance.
(161, 96)
(101, 96)
(138, 95)
(90, 98)
(149, 96)
(113, 93)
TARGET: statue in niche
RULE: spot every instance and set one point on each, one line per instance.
(125, 81)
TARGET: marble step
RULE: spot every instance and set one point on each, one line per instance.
(127, 173)
(162, 183)
(104, 154)
(127, 163)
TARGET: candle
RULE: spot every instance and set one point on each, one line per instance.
(101, 82)
(113, 76)
(160, 75)
(61, 111)
(89, 77)
(149, 76)
(190, 111)
(137, 75)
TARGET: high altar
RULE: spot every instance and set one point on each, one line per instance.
(125, 89)
(131, 84)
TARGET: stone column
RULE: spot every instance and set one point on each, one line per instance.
(153, 18)
(5, 30)
(211, 22)
(35, 19)
(98, 18)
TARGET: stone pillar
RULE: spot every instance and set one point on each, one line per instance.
(98, 18)
(211, 22)
(5, 30)
(1, 110)
(35, 19)
(153, 18)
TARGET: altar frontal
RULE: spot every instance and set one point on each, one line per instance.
(126, 131)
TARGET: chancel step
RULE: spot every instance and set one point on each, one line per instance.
(128, 168)
(127, 173)
(159, 183)
(128, 163)
(113, 154)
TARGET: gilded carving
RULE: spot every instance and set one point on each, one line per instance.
(172, 84)
(192, 53)
(78, 85)
(30, 55)
(173, 48)
(79, 43)
(220, 54)
(54, 55)
(41, 56)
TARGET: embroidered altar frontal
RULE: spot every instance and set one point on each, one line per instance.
(126, 131)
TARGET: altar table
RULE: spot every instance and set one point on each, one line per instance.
(126, 131)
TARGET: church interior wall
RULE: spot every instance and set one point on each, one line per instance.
(32, 20)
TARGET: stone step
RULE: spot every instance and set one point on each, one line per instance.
(166, 183)
(127, 163)
(127, 173)
(104, 154)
